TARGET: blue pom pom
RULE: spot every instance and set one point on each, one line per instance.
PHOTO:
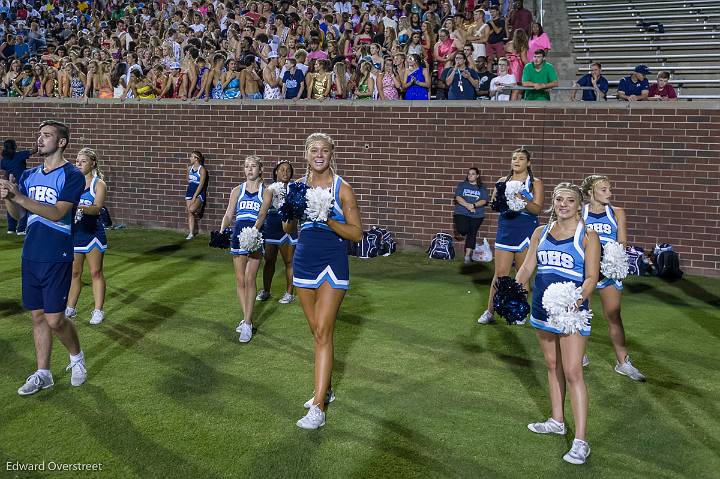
(510, 300)
(295, 202)
(500, 203)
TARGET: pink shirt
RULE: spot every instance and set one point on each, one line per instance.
(317, 55)
(538, 43)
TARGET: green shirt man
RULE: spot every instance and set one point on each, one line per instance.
(539, 75)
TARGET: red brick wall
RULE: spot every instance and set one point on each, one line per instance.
(404, 160)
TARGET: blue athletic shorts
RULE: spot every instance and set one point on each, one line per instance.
(45, 285)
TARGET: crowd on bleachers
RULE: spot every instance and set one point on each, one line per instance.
(292, 49)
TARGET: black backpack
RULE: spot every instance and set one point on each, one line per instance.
(369, 246)
(667, 262)
(441, 247)
(105, 217)
(388, 245)
(637, 261)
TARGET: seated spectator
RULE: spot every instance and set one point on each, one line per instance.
(594, 79)
(460, 79)
(635, 87)
(540, 76)
(503, 79)
(662, 90)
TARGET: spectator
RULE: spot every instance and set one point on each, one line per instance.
(416, 79)
(635, 87)
(271, 78)
(539, 40)
(364, 82)
(594, 79)
(485, 79)
(478, 33)
(502, 79)
(293, 82)
(520, 18)
(389, 81)
(340, 78)
(662, 90)
(251, 82)
(22, 49)
(15, 163)
(470, 200)
(461, 80)
(495, 46)
(540, 76)
(516, 54)
(319, 81)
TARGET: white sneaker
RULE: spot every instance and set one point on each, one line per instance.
(486, 318)
(97, 316)
(78, 374)
(314, 419)
(627, 369)
(585, 361)
(578, 453)
(551, 426)
(21, 233)
(70, 312)
(329, 397)
(286, 299)
(11, 232)
(519, 323)
(467, 260)
(189, 236)
(262, 295)
(34, 383)
(245, 332)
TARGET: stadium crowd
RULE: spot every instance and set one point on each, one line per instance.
(292, 49)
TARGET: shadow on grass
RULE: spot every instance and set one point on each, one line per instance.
(695, 290)
(127, 443)
(10, 307)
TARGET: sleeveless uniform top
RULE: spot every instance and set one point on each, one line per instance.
(514, 230)
(248, 204)
(605, 225)
(337, 213)
(89, 232)
(558, 261)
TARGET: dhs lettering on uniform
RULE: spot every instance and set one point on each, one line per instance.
(600, 228)
(43, 194)
(249, 205)
(556, 258)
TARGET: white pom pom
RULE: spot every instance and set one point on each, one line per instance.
(512, 189)
(614, 264)
(319, 204)
(278, 190)
(560, 302)
(250, 239)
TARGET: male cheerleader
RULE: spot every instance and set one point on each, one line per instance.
(49, 194)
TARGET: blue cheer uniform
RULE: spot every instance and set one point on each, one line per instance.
(273, 230)
(89, 231)
(558, 261)
(321, 254)
(194, 184)
(605, 225)
(247, 210)
(515, 228)
(48, 248)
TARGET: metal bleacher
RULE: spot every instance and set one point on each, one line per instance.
(682, 37)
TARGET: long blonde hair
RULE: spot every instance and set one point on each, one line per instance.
(564, 186)
(325, 138)
(90, 153)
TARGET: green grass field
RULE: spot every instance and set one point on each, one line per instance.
(423, 391)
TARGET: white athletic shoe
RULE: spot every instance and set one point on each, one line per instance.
(70, 312)
(467, 260)
(314, 419)
(11, 232)
(329, 397)
(627, 369)
(245, 332)
(97, 316)
(21, 233)
(585, 361)
(286, 299)
(578, 453)
(262, 295)
(486, 318)
(551, 426)
(189, 236)
(78, 373)
(520, 323)
(34, 383)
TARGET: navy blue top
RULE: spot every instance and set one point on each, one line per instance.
(15, 165)
(51, 241)
(460, 88)
(589, 95)
(292, 83)
(630, 88)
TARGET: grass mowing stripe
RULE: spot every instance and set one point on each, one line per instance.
(423, 391)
